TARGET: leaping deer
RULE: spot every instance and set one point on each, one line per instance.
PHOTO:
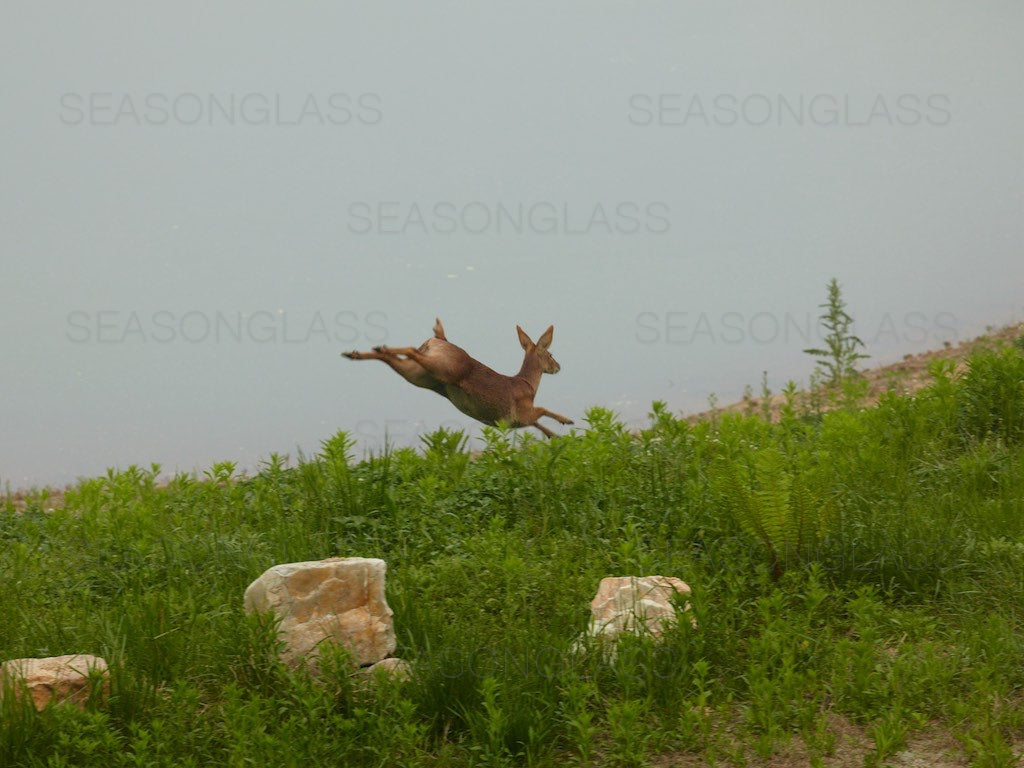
(471, 386)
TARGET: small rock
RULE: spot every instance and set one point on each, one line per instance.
(58, 678)
(397, 669)
(339, 600)
(624, 604)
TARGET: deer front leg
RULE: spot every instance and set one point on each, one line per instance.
(547, 432)
(551, 414)
(534, 420)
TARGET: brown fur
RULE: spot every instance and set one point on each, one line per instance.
(471, 386)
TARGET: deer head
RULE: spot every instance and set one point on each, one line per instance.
(539, 351)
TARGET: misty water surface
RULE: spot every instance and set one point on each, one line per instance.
(202, 207)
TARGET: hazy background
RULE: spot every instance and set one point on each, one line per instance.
(203, 206)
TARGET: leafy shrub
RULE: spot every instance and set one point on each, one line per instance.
(991, 399)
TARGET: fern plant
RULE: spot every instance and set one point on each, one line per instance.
(777, 507)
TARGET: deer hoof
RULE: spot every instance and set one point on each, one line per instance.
(351, 355)
(381, 348)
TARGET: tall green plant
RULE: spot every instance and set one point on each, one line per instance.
(777, 507)
(837, 360)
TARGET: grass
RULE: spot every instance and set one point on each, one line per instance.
(856, 570)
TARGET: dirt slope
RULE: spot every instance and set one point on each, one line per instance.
(907, 376)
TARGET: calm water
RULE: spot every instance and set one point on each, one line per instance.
(189, 242)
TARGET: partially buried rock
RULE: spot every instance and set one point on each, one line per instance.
(338, 600)
(71, 679)
(635, 605)
(392, 668)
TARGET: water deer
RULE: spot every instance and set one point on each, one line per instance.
(471, 386)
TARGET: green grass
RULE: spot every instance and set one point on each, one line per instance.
(863, 565)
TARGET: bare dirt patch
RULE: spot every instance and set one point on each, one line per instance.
(932, 747)
(48, 499)
(908, 376)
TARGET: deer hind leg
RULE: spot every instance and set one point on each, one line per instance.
(354, 355)
(408, 369)
(385, 350)
(437, 363)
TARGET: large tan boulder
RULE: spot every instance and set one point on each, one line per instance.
(635, 605)
(59, 679)
(338, 600)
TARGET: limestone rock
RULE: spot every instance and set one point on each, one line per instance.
(398, 669)
(338, 600)
(635, 604)
(58, 678)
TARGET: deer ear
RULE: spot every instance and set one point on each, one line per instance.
(439, 329)
(523, 338)
(545, 339)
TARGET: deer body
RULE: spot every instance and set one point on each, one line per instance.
(472, 387)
